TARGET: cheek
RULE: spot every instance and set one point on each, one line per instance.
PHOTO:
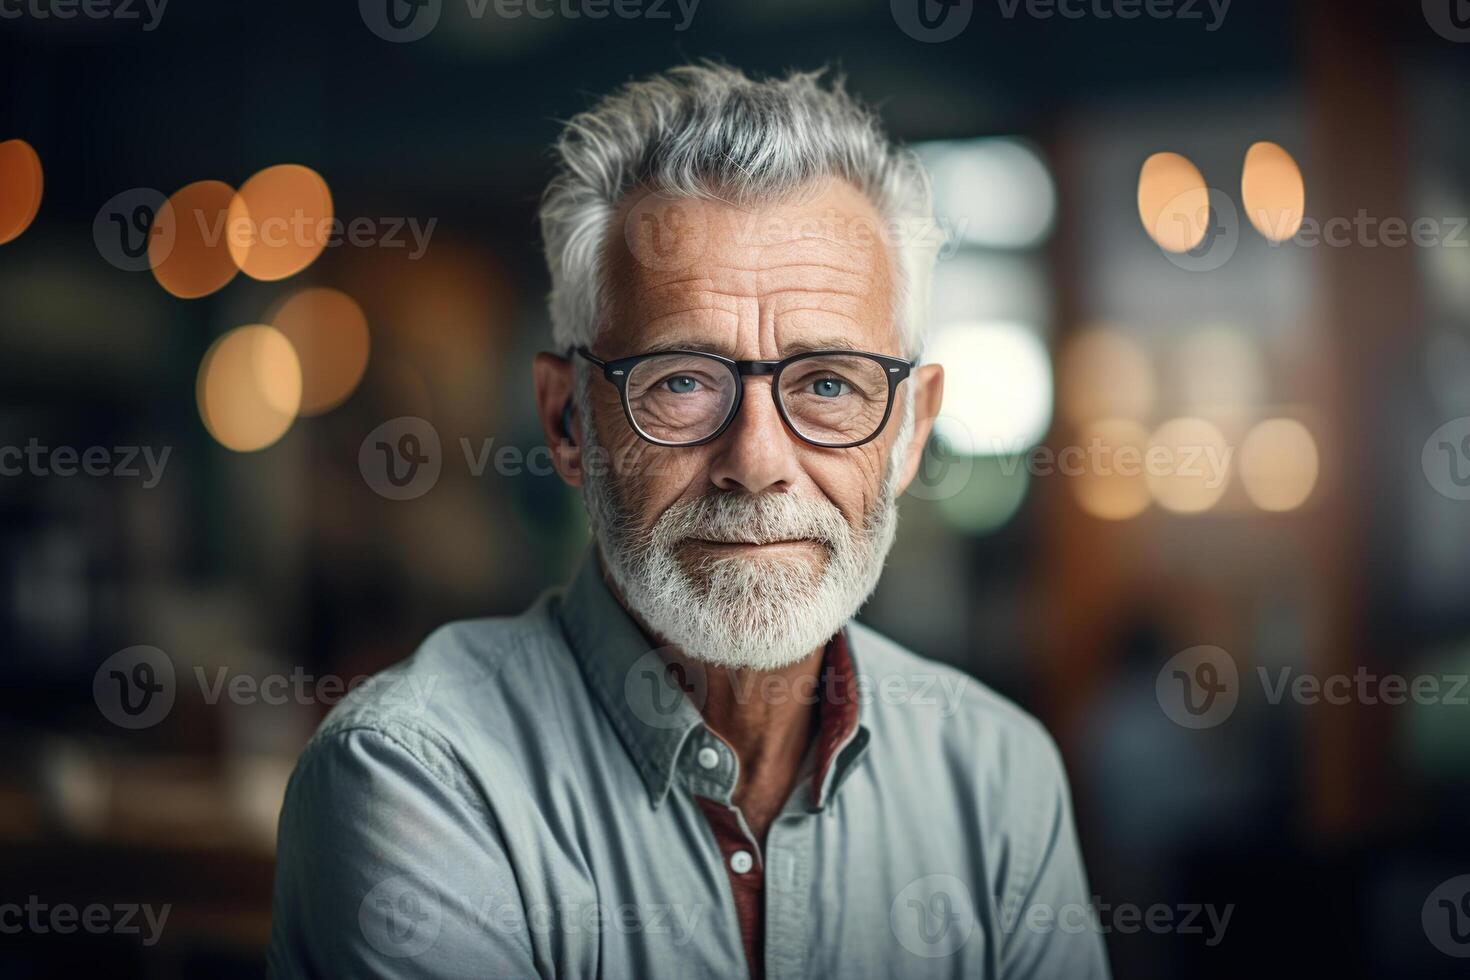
(850, 478)
(650, 478)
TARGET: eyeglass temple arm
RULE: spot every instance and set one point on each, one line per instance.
(590, 356)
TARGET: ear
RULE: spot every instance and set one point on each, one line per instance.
(928, 382)
(554, 388)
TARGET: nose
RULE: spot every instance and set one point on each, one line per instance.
(756, 453)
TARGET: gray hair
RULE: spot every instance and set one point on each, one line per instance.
(709, 131)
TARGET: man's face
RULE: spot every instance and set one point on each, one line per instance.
(804, 275)
(756, 518)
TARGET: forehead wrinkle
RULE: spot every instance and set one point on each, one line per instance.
(851, 290)
(847, 256)
(671, 300)
(837, 309)
(717, 320)
(812, 269)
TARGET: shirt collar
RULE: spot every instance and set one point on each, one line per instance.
(652, 705)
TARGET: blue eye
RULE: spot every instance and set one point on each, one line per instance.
(681, 385)
(829, 388)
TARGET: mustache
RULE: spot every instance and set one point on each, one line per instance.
(742, 518)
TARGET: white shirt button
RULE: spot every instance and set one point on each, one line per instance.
(741, 862)
(708, 758)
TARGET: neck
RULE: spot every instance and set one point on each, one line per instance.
(768, 717)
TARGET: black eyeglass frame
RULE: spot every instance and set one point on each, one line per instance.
(895, 369)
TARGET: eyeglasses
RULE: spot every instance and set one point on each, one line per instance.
(836, 399)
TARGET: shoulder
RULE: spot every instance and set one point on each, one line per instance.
(460, 712)
(957, 742)
(466, 676)
(917, 700)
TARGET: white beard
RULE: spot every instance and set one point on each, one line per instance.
(743, 611)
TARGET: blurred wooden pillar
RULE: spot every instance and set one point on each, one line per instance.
(1367, 303)
(1367, 319)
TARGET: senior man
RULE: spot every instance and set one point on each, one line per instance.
(691, 762)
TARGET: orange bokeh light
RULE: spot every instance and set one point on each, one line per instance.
(21, 183)
(1187, 465)
(1173, 202)
(279, 221)
(1279, 464)
(249, 387)
(1115, 487)
(1106, 372)
(1273, 191)
(186, 247)
(330, 334)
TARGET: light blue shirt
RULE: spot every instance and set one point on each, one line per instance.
(518, 800)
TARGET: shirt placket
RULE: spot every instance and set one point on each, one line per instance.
(787, 893)
(712, 770)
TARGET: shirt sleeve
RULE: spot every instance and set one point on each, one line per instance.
(389, 866)
(1051, 928)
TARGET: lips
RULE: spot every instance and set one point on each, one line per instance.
(747, 542)
(751, 544)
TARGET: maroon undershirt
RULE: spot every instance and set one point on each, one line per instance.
(837, 717)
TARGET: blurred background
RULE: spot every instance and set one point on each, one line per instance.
(1205, 305)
